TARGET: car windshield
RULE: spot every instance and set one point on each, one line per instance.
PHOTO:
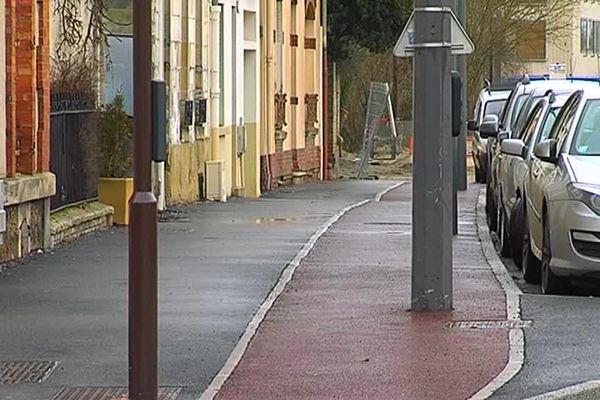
(549, 123)
(518, 106)
(494, 107)
(587, 136)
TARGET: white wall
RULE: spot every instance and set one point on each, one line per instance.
(247, 39)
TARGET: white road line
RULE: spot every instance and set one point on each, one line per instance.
(516, 355)
(380, 195)
(568, 391)
(286, 276)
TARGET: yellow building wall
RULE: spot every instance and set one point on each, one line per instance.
(184, 162)
(193, 43)
(566, 47)
(301, 73)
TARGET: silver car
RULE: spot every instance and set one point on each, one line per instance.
(512, 170)
(533, 125)
(515, 113)
(490, 102)
(562, 196)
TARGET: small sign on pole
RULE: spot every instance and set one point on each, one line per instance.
(460, 43)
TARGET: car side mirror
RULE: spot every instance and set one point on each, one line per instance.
(547, 151)
(472, 126)
(513, 147)
(489, 127)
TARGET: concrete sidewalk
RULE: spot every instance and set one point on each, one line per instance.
(341, 329)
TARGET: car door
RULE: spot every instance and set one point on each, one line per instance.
(511, 111)
(506, 176)
(533, 137)
(541, 172)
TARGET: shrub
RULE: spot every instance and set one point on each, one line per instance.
(115, 132)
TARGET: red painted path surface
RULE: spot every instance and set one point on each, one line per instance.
(341, 329)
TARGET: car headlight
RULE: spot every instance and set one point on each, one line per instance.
(588, 195)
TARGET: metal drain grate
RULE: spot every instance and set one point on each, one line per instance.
(109, 393)
(488, 324)
(14, 372)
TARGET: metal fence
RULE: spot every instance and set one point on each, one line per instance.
(73, 142)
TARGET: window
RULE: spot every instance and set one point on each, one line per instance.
(565, 119)
(532, 122)
(587, 136)
(548, 124)
(589, 41)
(478, 112)
(583, 35)
(591, 50)
(505, 111)
(494, 107)
(533, 44)
(517, 109)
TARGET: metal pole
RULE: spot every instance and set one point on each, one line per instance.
(143, 265)
(461, 67)
(455, 183)
(432, 181)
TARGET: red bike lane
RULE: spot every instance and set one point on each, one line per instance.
(342, 330)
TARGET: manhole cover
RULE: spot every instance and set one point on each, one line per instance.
(488, 324)
(109, 393)
(13, 372)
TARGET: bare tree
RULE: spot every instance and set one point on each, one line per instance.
(501, 29)
(79, 55)
(82, 26)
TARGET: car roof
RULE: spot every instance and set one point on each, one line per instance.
(488, 95)
(558, 84)
(592, 93)
(560, 99)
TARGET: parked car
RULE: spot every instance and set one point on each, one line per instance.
(562, 196)
(534, 123)
(516, 156)
(491, 100)
(513, 117)
(506, 120)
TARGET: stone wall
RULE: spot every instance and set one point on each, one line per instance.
(27, 205)
(77, 221)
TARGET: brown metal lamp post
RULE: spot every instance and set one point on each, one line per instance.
(143, 264)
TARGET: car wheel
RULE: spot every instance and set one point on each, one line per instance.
(551, 284)
(504, 241)
(531, 265)
(490, 207)
(516, 233)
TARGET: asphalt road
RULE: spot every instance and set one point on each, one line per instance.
(217, 264)
(562, 345)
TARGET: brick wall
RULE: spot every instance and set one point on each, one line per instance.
(43, 87)
(11, 102)
(28, 86)
(282, 165)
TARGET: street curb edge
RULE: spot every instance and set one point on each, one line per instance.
(516, 356)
